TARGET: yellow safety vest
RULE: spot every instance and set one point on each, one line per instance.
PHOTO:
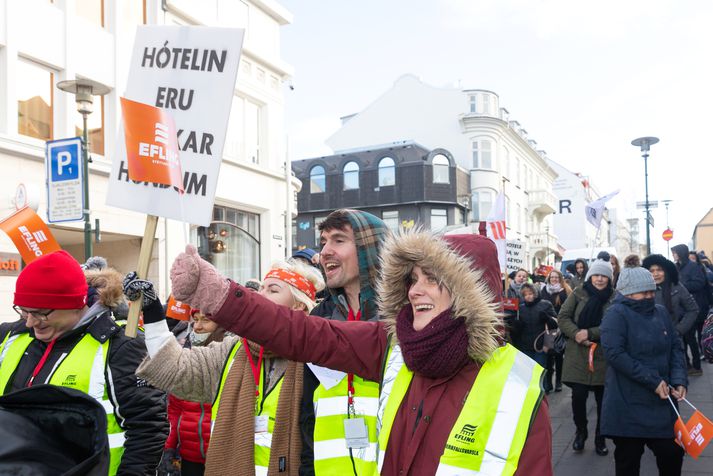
(82, 369)
(331, 454)
(266, 406)
(490, 432)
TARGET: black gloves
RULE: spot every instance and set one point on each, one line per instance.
(151, 305)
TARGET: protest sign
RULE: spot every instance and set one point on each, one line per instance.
(515, 255)
(30, 234)
(189, 71)
(177, 309)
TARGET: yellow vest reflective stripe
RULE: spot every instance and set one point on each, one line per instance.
(331, 454)
(267, 405)
(70, 371)
(489, 434)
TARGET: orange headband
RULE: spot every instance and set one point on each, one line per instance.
(293, 279)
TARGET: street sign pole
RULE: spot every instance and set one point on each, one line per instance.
(85, 168)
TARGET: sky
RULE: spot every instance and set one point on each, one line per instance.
(583, 78)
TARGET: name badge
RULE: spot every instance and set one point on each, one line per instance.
(261, 423)
(356, 434)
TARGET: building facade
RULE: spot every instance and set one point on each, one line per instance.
(43, 42)
(406, 185)
(703, 234)
(495, 150)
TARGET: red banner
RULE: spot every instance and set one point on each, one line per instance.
(30, 234)
(151, 144)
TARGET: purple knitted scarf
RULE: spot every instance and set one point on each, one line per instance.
(438, 350)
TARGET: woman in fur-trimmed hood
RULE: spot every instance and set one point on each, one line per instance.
(439, 334)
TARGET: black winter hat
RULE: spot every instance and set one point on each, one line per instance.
(667, 265)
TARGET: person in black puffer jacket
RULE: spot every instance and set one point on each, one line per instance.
(693, 277)
(534, 314)
(555, 291)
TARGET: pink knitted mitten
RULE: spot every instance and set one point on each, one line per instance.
(197, 282)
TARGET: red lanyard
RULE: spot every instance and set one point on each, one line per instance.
(350, 377)
(256, 369)
(41, 363)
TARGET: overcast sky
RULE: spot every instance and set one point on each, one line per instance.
(583, 78)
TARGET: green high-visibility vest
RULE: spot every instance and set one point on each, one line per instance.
(490, 432)
(82, 369)
(332, 456)
(266, 406)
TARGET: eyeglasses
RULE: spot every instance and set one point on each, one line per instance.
(41, 316)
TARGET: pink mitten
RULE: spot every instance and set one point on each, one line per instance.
(197, 282)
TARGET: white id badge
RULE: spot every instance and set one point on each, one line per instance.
(261, 423)
(356, 433)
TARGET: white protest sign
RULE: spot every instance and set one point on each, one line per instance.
(515, 254)
(190, 71)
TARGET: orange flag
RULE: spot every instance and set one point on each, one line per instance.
(177, 309)
(681, 433)
(30, 234)
(151, 144)
(592, 348)
(700, 430)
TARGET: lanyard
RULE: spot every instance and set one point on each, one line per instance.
(256, 369)
(350, 377)
(41, 363)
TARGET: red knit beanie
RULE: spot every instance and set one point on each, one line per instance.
(53, 281)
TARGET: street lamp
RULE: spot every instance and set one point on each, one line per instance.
(644, 143)
(83, 90)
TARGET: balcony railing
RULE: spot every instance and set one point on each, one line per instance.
(542, 202)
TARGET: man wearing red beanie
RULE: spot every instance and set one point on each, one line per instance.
(59, 340)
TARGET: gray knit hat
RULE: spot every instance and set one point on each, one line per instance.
(602, 268)
(635, 280)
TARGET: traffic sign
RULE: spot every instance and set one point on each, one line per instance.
(63, 163)
(652, 204)
(651, 219)
(667, 234)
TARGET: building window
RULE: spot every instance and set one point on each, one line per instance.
(317, 180)
(387, 172)
(439, 219)
(486, 104)
(242, 141)
(482, 154)
(317, 222)
(482, 201)
(252, 123)
(517, 171)
(391, 220)
(95, 127)
(508, 215)
(35, 98)
(505, 162)
(231, 243)
(441, 169)
(519, 218)
(473, 102)
(92, 10)
(351, 176)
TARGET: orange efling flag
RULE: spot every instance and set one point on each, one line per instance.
(151, 144)
(30, 234)
(177, 309)
(700, 431)
(681, 433)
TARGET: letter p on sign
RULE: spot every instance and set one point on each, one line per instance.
(64, 159)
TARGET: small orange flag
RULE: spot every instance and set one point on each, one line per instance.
(177, 309)
(592, 348)
(700, 430)
(151, 144)
(511, 304)
(681, 433)
(30, 234)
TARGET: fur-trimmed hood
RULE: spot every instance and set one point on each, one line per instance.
(667, 265)
(468, 267)
(108, 284)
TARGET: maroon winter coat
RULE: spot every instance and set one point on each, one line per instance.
(190, 428)
(362, 346)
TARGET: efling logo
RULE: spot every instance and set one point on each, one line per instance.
(467, 433)
(158, 152)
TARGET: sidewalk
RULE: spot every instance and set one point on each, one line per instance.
(568, 463)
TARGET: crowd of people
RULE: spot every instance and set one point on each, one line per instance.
(380, 354)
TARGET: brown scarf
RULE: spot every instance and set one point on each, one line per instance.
(231, 449)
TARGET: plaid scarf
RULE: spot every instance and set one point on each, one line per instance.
(369, 234)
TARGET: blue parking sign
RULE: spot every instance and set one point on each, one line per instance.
(63, 161)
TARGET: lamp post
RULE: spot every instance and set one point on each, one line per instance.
(83, 90)
(645, 143)
(668, 241)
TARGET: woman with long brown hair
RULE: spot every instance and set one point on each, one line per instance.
(555, 291)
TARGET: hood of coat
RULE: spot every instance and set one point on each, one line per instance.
(468, 267)
(682, 252)
(108, 284)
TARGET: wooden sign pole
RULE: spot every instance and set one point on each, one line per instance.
(142, 270)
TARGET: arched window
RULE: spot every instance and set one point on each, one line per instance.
(387, 172)
(441, 169)
(317, 182)
(351, 176)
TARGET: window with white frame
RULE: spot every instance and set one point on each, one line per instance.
(391, 219)
(486, 103)
(351, 176)
(473, 103)
(482, 154)
(243, 141)
(508, 215)
(517, 171)
(441, 169)
(387, 172)
(439, 219)
(317, 221)
(317, 180)
(35, 100)
(505, 163)
(519, 218)
(482, 203)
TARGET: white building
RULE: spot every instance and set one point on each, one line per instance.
(471, 124)
(43, 42)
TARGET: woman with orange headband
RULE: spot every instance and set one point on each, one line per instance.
(256, 394)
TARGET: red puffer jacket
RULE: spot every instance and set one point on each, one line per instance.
(190, 428)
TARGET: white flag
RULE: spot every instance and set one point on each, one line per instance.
(595, 210)
(496, 227)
